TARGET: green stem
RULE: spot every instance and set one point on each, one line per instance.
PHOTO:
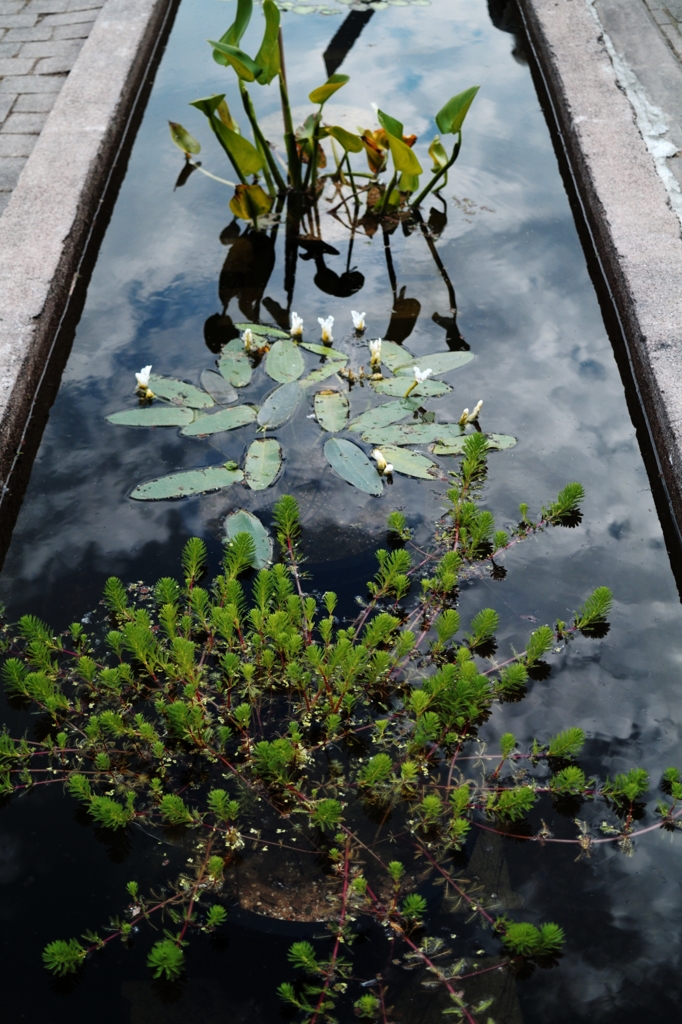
(424, 193)
(266, 172)
(352, 182)
(258, 135)
(289, 135)
(387, 193)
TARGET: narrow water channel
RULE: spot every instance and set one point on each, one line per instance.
(543, 365)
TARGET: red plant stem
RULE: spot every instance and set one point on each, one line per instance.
(450, 880)
(339, 937)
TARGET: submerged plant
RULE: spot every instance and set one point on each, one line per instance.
(245, 715)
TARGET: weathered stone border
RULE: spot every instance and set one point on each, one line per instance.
(45, 227)
(635, 232)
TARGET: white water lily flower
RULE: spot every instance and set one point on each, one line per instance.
(375, 352)
(389, 469)
(142, 377)
(476, 412)
(378, 457)
(326, 324)
(464, 418)
(247, 338)
(358, 320)
(296, 326)
(421, 375)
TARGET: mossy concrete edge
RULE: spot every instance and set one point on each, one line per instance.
(44, 228)
(635, 231)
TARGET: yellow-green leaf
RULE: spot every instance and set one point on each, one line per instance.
(404, 159)
(323, 92)
(390, 124)
(183, 140)
(250, 202)
(267, 57)
(350, 142)
(451, 117)
(438, 154)
(244, 154)
(246, 68)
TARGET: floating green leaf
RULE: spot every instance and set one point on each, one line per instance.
(323, 92)
(410, 463)
(225, 419)
(351, 463)
(439, 362)
(393, 355)
(235, 367)
(263, 463)
(263, 330)
(183, 140)
(496, 442)
(450, 118)
(191, 481)
(397, 386)
(279, 406)
(218, 388)
(284, 362)
(245, 522)
(383, 415)
(331, 410)
(323, 372)
(413, 433)
(180, 393)
(323, 350)
(153, 416)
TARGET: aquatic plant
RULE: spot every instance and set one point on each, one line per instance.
(244, 716)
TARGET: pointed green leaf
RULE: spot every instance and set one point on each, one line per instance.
(384, 415)
(179, 392)
(188, 482)
(208, 104)
(404, 158)
(414, 433)
(263, 330)
(182, 139)
(496, 442)
(397, 386)
(351, 463)
(244, 153)
(245, 522)
(323, 350)
(153, 416)
(437, 154)
(225, 419)
(240, 24)
(263, 463)
(284, 362)
(390, 124)
(218, 388)
(323, 92)
(280, 405)
(350, 142)
(331, 410)
(439, 362)
(267, 57)
(235, 367)
(246, 68)
(450, 118)
(393, 355)
(410, 463)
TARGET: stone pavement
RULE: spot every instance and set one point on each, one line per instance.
(39, 43)
(668, 16)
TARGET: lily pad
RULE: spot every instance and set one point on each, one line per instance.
(280, 405)
(351, 463)
(218, 388)
(264, 330)
(439, 362)
(235, 367)
(496, 442)
(263, 463)
(410, 463)
(414, 433)
(188, 482)
(153, 416)
(245, 522)
(323, 350)
(226, 419)
(331, 410)
(383, 415)
(393, 355)
(284, 362)
(323, 372)
(179, 392)
(397, 386)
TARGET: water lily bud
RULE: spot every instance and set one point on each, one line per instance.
(247, 338)
(326, 325)
(358, 320)
(476, 412)
(375, 353)
(421, 375)
(142, 377)
(378, 457)
(296, 326)
(464, 418)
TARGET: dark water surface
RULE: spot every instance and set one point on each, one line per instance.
(546, 372)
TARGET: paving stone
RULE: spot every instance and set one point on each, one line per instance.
(36, 34)
(18, 20)
(34, 103)
(53, 48)
(24, 124)
(9, 49)
(11, 6)
(6, 103)
(72, 18)
(10, 169)
(54, 65)
(16, 65)
(79, 31)
(49, 6)
(4, 199)
(16, 145)
(31, 83)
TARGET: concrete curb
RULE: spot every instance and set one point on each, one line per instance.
(627, 210)
(45, 226)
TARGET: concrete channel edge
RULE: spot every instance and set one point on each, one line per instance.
(45, 227)
(635, 231)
